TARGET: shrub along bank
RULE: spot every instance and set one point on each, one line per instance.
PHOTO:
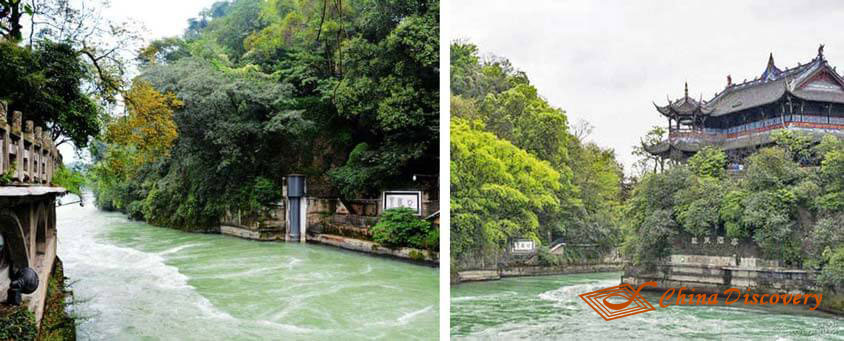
(401, 227)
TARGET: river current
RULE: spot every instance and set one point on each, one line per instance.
(548, 307)
(133, 281)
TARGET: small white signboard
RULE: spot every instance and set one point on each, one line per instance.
(409, 199)
(523, 246)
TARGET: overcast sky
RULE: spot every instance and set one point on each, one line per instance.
(160, 18)
(605, 61)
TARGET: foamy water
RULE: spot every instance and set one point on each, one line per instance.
(549, 308)
(133, 281)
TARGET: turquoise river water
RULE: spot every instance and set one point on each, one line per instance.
(548, 307)
(133, 281)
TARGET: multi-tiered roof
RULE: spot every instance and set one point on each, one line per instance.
(693, 122)
(814, 81)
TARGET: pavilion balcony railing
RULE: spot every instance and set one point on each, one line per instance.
(29, 156)
(739, 131)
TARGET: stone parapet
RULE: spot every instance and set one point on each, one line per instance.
(27, 153)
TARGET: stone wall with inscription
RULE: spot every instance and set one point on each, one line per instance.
(714, 245)
(712, 264)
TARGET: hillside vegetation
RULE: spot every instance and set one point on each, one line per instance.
(789, 201)
(345, 92)
(519, 169)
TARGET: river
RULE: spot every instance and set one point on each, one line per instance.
(548, 307)
(133, 281)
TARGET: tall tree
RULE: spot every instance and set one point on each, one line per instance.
(11, 14)
(46, 85)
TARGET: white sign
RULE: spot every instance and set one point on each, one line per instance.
(523, 245)
(409, 199)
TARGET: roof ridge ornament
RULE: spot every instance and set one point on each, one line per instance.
(687, 89)
(729, 81)
(820, 51)
(772, 72)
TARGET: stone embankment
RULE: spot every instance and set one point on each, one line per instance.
(533, 270)
(343, 242)
(260, 234)
(714, 274)
(416, 255)
(529, 264)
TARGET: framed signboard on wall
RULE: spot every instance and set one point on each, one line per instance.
(409, 199)
(522, 246)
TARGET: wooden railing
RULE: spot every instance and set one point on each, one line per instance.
(29, 156)
(714, 137)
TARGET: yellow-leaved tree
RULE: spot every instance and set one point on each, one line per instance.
(148, 131)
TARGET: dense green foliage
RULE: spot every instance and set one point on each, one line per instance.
(791, 213)
(401, 227)
(498, 190)
(67, 68)
(72, 180)
(518, 169)
(45, 84)
(344, 92)
(833, 272)
(17, 323)
(708, 162)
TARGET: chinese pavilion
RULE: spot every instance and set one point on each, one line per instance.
(740, 119)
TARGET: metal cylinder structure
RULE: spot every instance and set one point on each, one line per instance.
(295, 194)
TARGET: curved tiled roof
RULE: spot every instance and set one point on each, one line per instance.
(770, 87)
(743, 96)
(682, 106)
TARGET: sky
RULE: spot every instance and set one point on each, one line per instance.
(162, 18)
(159, 19)
(606, 61)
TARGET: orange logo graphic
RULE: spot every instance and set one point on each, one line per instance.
(636, 304)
